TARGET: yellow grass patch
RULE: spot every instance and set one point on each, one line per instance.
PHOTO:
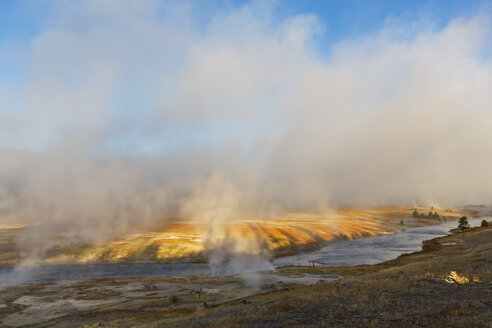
(280, 235)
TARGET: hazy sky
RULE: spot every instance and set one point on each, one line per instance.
(128, 57)
(128, 110)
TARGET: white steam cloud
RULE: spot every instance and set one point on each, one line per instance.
(126, 111)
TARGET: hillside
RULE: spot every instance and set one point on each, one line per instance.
(183, 241)
(405, 292)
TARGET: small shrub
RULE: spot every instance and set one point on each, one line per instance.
(147, 285)
(484, 223)
(173, 299)
(199, 292)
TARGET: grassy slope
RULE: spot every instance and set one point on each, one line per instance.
(181, 241)
(396, 293)
(399, 293)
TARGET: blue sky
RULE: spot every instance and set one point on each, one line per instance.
(25, 26)
(313, 93)
(21, 20)
(351, 18)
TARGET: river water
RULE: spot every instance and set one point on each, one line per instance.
(372, 250)
(368, 250)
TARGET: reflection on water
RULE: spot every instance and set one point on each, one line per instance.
(372, 250)
(368, 250)
(77, 272)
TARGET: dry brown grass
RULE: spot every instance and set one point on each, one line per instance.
(404, 292)
(395, 293)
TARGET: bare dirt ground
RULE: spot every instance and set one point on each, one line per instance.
(84, 303)
(406, 292)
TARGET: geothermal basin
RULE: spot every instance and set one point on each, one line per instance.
(367, 250)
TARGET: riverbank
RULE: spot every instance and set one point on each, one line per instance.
(369, 250)
(405, 292)
(409, 291)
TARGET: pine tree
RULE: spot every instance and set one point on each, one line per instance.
(463, 223)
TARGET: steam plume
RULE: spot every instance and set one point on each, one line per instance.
(128, 119)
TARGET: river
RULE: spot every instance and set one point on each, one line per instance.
(372, 250)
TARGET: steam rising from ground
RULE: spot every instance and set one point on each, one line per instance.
(152, 110)
(215, 206)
